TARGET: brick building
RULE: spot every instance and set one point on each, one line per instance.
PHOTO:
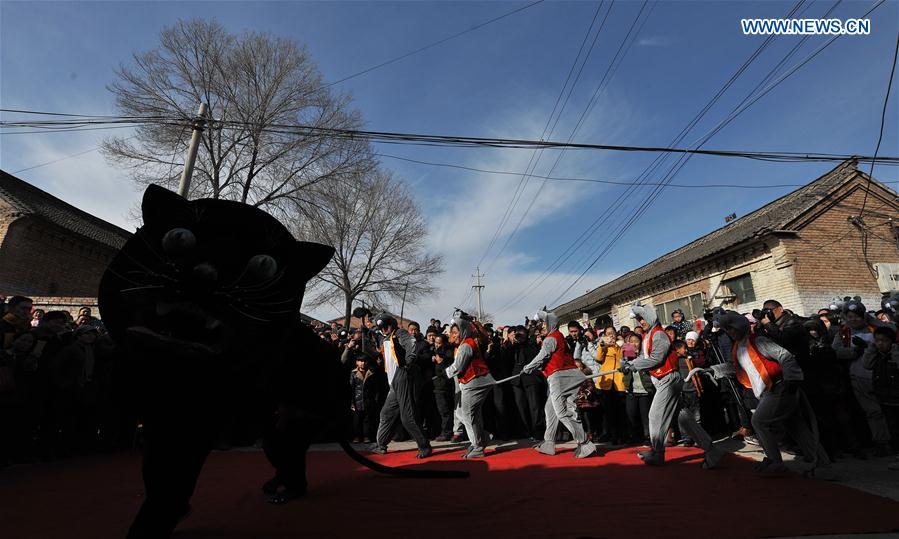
(51, 250)
(802, 249)
(355, 322)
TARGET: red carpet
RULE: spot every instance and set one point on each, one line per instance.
(517, 493)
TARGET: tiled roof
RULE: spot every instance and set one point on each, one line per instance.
(29, 200)
(776, 215)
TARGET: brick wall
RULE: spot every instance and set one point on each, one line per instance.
(772, 278)
(828, 257)
(39, 258)
(66, 303)
(8, 214)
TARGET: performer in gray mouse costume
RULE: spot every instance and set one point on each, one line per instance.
(556, 361)
(475, 381)
(661, 361)
(774, 376)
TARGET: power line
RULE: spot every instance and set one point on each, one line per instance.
(596, 180)
(587, 109)
(477, 142)
(679, 165)
(522, 183)
(883, 116)
(54, 161)
(615, 206)
(431, 45)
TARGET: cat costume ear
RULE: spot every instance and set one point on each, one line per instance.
(314, 256)
(160, 205)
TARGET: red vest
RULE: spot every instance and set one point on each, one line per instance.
(561, 359)
(670, 364)
(770, 371)
(476, 367)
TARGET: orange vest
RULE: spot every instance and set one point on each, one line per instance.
(476, 367)
(670, 364)
(770, 371)
(561, 359)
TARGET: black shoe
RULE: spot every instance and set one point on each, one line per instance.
(424, 453)
(270, 487)
(285, 495)
(375, 448)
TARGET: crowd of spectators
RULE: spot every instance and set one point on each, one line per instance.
(58, 398)
(849, 356)
(56, 390)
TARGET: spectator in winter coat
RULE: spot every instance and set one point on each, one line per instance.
(854, 337)
(365, 386)
(784, 328)
(612, 389)
(882, 359)
(444, 388)
(529, 390)
(680, 324)
(639, 393)
(16, 321)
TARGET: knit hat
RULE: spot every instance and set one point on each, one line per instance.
(692, 335)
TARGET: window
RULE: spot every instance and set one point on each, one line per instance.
(692, 306)
(741, 287)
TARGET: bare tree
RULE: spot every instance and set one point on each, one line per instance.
(261, 91)
(379, 236)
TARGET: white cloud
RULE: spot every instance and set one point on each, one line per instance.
(463, 228)
(654, 41)
(84, 181)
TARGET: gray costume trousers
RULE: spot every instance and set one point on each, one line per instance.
(686, 420)
(472, 412)
(662, 409)
(877, 422)
(780, 411)
(400, 406)
(458, 426)
(560, 406)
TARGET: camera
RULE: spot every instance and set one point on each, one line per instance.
(709, 314)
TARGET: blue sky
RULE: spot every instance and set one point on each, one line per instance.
(501, 80)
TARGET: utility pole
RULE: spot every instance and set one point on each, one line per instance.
(478, 287)
(403, 306)
(199, 123)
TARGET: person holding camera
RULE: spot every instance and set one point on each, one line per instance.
(784, 328)
(563, 377)
(398, 351)
(612, 389)
(855, 336)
